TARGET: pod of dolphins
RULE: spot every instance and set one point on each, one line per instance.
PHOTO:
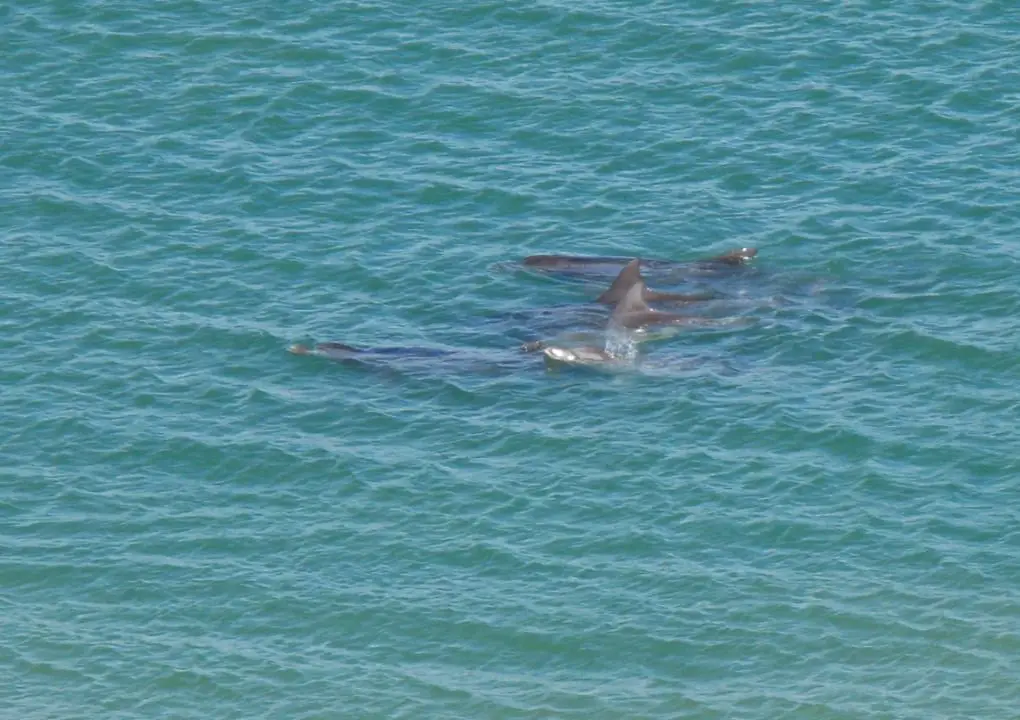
(632, 304)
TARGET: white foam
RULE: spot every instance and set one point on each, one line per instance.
(620, 344)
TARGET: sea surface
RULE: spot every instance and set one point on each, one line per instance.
(811, 513)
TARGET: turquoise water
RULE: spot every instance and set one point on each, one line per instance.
(811, 516)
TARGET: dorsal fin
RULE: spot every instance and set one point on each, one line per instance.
(632, 302)
(624, 281)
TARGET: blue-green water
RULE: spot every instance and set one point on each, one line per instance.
(814, 516)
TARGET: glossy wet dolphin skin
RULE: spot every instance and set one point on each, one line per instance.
(601, 265)
(342, 351)
(585, 355)
(631, 275)
(634, 313)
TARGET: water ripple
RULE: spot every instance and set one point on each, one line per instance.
(810, 515)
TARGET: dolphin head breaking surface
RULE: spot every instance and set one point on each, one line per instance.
(735, 257)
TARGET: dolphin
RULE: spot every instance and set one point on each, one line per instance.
(631, 316)
(602, 265)
(626, 271)
(630, 276)
(633, 311)
(342, 351)
(550, 317)
(413, 360)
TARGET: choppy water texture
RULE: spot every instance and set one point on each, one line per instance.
(813, 516)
